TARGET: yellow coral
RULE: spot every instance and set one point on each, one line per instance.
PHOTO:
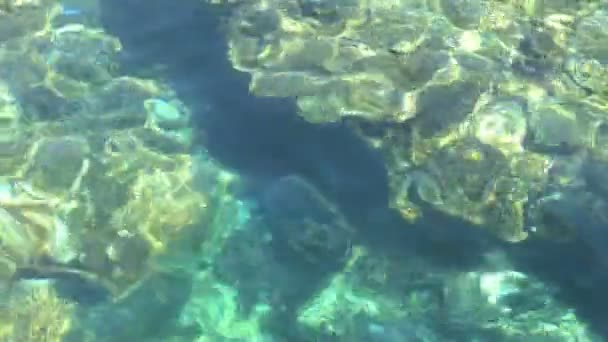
(161, 204)
(38, 316)
(31, 224)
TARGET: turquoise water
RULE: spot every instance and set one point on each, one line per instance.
(302, 171)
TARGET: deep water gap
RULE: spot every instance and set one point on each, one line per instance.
(261, 137)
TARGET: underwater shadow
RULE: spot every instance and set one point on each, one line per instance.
(447, 241)
(581, 278)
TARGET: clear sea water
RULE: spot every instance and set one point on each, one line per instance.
(287, 230)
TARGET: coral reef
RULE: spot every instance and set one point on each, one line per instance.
(522, 77)
(116, 223)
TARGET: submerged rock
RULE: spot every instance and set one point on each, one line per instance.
(305, 224)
